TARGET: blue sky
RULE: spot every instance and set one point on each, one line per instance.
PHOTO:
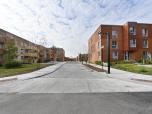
(68, 23)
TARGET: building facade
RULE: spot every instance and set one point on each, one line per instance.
(131, 41)
(57, 54)
(27, 52)
(82, 57)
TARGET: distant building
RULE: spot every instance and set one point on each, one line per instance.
(70, 59)
(82, 57)
(131, 41)
(57, 54)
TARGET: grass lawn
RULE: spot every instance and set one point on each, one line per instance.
(133, 68)
(25, 68)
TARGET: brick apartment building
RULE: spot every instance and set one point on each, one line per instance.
(131, 41)
(28, 52)
(57, 54)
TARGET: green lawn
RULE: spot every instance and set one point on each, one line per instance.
(24, 69)
(133, 68)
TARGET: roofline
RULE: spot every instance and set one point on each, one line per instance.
(17, 36)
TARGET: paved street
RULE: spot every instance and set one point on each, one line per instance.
(75, 89)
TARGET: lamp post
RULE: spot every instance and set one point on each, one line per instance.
(102, 55)
(108, 42)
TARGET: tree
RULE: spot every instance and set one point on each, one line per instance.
(10, 50)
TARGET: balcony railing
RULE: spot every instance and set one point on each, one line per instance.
(1, 51)
(30, 54)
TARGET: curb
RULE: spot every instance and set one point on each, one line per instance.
(8, 78)
(18, 77)
(142, 80)
(47, 73)
(134, 76)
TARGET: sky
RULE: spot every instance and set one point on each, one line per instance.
(68, 23)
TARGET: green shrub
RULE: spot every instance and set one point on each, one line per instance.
(98, 62)
(12, 64)
(143, 69)
(148, 62)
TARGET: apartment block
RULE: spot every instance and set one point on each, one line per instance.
(131, 41)
(44, 55)
(57, 54)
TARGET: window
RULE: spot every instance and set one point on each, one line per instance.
(132, 30)
(115, 55)
(145, 54)
(145, 32)
(99, 54)
(98, 44)
(99, 40)
(114, 34)
(133, 43)
(114, 44)
(145, 43)
(126, 55)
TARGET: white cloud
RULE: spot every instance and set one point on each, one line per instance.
(68, 23)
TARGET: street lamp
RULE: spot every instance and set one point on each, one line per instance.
(102, 46)
(108, 41)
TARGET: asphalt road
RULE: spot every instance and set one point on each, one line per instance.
(75, 89)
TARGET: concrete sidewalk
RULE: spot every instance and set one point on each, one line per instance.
(120, 74)
(35, 74)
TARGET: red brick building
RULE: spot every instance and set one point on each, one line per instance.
(131, 41)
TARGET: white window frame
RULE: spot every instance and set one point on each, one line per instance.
(99, 41)
(132, 30)
(144, 32)
(114, 34)
(115, 55)
(115, 45)
(133, 43)
(145, 43)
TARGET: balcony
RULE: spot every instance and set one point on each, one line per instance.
(1, 51)
(29, 54)
(2, 40)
